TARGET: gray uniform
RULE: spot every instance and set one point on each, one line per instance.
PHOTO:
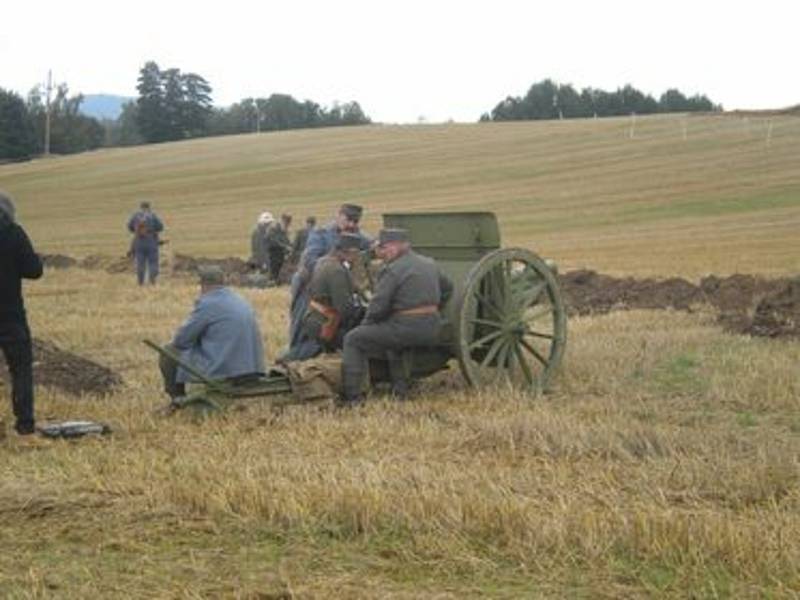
(220, 337)
(278, 246)
(258, 248)
(320, 242)
(409, 282)
(145, 227)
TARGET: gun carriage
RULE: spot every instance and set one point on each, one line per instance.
(505, 323)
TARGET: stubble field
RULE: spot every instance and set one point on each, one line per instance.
(665, 462)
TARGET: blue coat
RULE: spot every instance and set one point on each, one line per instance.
(145, 227)
(221, 337)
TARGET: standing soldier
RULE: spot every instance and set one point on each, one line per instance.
(403, 312)
(17, 261)
(278, 246)
(334, 305)
(145, 227)
(320, 242)
(259, 257)
(301, 238)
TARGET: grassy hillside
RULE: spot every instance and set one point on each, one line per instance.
(664, 463)
(683, 195)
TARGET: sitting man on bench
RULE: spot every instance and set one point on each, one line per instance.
(403, 313)
(220, 338)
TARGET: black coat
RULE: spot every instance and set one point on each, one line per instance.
(17, 261)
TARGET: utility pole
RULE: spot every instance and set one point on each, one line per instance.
(49, 89)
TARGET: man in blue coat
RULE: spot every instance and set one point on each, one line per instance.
(145, 226)
(220, 338)
(17, 261)
(320, 242)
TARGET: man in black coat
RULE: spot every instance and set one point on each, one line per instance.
(17, 261)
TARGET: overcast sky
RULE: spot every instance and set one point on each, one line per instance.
(438, 59)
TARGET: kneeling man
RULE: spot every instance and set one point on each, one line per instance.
(220, 338)
(334, 307)
(403, 312)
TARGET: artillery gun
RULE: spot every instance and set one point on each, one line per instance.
(505, 323)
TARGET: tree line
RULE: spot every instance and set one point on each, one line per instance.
(171, 106)
(550, 100)
(176, 106)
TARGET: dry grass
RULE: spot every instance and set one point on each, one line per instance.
(723, 200)
(665, 463)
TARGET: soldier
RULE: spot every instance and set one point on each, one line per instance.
(334, 305)
(320, 242)
(17, 261)
(278, 246)
(145, 227)
(403, 312)
(259, 257)
(301, 238)
(220, 337)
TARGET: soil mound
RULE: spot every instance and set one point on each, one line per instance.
(109, 264)
(182, 263)
(588, 292)
(58, 261)
(68, 372)
(747, 304)
(778, 314)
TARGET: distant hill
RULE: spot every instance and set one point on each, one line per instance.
(103, 106)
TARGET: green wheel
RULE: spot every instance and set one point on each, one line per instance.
(512, 325)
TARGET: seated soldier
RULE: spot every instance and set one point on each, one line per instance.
(220, 338)
(334, 308)
(403, 312)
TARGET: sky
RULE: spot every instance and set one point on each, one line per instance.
(406, 61)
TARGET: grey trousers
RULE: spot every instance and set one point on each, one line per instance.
(377, 340)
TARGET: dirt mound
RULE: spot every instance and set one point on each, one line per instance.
(778, 314)
(58, 261)
(109, 264)
(587, 292)
(68, 372)
(231, 265)
(747, 304)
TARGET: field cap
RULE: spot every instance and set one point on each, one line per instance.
(211, 275)
(144, 205)
(352, 211)
(266, 218)
(7, 206)
(348, 241)
(387, 236)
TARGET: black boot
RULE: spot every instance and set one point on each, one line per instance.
(398, 375)
(352, 388)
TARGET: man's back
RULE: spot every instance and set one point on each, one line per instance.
(221, 336)
(17, 261)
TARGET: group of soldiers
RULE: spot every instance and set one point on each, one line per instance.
(330, 310)
(270, 246)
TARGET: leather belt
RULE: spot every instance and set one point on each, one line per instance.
(425, 309)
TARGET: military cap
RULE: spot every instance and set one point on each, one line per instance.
(352, 211)
(7, 206)
(211, 275)
(144, 204)
(348, 241)
(392, 235)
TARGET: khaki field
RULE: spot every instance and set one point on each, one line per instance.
(664, 463)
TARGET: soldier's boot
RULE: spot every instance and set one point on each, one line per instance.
(398, 374)
(352, 388)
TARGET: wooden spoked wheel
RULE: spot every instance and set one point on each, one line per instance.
(512, 323)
